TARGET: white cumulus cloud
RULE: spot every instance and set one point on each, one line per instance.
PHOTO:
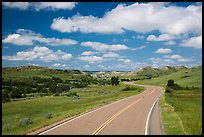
(41, 5)
(91, 59)
(56, 65)
(40, 53)
(88, 53)
(54, 5)
(104, 47)
(178, 58)
(125, 60)
(167, 19)
(28, 37)
(175, 56)
(162, 37)
(19, 5)
(111, 55)
(163, 51)
(195, 42)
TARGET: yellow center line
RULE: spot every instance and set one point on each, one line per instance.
(151, 92)
(98, 130)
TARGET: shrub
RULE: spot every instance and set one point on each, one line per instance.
(72, 94)
(5, 96)
(25, 121)
(16, 93)
(170, 83)
(48, 115)
(56, 94)
(168, 90)
(129, 88)
(173, 85)
(114, 80)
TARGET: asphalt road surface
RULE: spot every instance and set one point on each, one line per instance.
(135, 115)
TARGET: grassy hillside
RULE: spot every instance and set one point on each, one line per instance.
(181, 109)
(143, 73)
(43, 72)
(186, 77)
(156, 72)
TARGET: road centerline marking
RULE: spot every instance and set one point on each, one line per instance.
(98, 130)
(151, 92)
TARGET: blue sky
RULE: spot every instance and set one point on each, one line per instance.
(101, 35)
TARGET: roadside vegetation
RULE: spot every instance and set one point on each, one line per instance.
(181, 103)
(50, 82)
(32, 101)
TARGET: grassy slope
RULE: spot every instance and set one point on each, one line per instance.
(151, 72)
(182, 110)
(194, 79)
(44, 72)
(61, 107)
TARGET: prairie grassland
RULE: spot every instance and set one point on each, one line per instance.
(58, 107)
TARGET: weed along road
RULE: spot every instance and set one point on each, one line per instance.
(138, 114)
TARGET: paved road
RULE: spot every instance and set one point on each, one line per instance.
(127, 116)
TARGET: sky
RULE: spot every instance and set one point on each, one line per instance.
(101, 36)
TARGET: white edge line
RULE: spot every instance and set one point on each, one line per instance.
(147, 121)
(85, 114)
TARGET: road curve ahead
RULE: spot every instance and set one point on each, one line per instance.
(129, 116)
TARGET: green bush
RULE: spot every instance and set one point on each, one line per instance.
(5, 96)
(168, 90)
(129, 88)
(25, 121)
(115, 80)
(48, 115)
(173, 85)
(72, 94)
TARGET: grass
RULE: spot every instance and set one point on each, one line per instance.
(194, 78)
(43, 72)
(172, 123)
(60, 107)
(188, 105)
(182, 109)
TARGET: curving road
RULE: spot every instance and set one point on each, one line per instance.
(138, 115)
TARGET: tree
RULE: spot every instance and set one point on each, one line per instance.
(16, 93)
(53, 88)
(58, 80)
(5, 96)
(173, 85)
(114, 80)
(170, 83)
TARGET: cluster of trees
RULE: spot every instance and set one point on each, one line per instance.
(174, 86)
(20, 88)
(135, 79)
(132, 79)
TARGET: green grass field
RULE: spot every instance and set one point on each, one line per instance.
(182, 109)
(61, 107)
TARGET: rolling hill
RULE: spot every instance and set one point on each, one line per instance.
(43, 72)
(142, 73)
